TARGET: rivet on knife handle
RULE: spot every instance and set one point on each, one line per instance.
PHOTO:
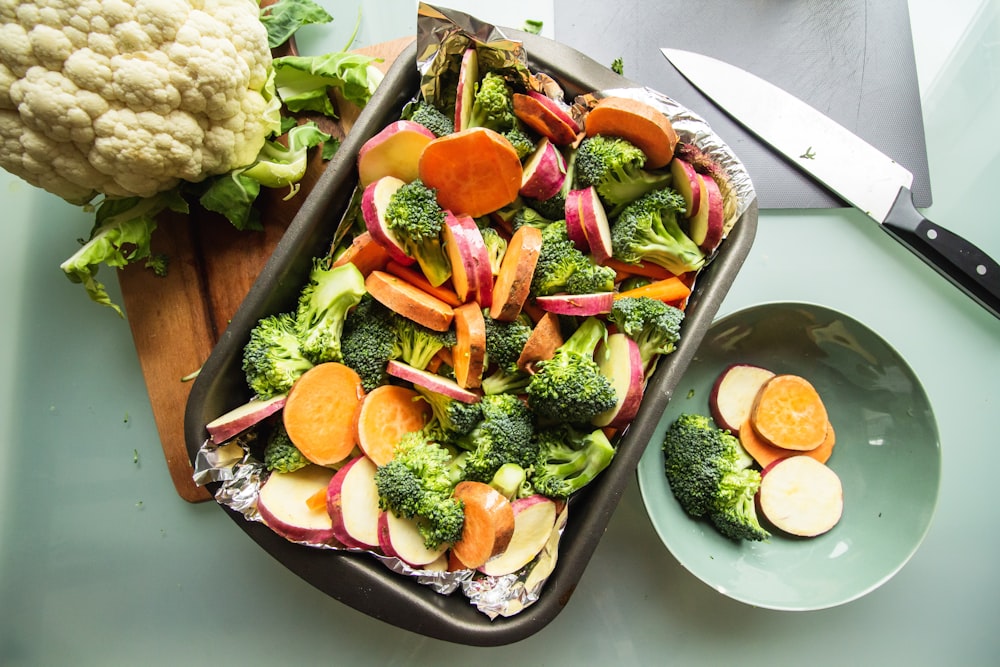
(955, 258)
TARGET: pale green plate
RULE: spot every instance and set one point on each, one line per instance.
(887, 455)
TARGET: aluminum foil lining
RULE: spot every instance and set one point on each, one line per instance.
(443, 35)
(241, 475)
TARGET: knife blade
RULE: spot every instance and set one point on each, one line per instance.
(845, 163)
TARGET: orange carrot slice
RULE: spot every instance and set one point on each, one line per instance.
(667, 290)
(646, 270)
(513, 282)
(637, 122)
(489, 523)
(789, 413)
(409, 301)
(474, 171)
(319, 412)
(469, 352)
(385, 414)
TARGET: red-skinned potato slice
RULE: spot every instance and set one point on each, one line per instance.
(394, 151)
(534, 521)
(241, 418)
(464, 269)
(687, 183)
(481, 261)
(284, 507)
(595, 225)
(544, 172)
(620, 361)
(708, 225)
(580, 305)
(352, 502)
(575, 229)
(431, 381)
(374, 201)
(734, 392)
(399, 537)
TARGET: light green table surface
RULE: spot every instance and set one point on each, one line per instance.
(102, 564)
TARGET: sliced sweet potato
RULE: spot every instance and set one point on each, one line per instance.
(789, 413)
(543, 119)
(319, 412)
(409, 301)
(637, 122)
(765, 453)
(513, 282)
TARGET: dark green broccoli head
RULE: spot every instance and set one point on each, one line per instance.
(418, 482)
(553, 208)
(493, 105)
(431, 117)
(323, 306)
(504, 435)
(568, 459)
(648, 230)
(614, 166)
(369, 341)
(561, 267)
(505, 340)
(654, 325)
(454, 417)
(280, 454)
(272, 358)
(524, 145)
(569, 387)
(709, 474)
(414, 216)
(418, 344)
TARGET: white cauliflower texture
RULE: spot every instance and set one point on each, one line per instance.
(129, 97)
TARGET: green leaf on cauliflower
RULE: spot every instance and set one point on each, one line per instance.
(285, 17)
(277, 166)
(121, 234)
(303, 82)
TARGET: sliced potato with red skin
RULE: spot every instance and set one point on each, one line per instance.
(733, 394)
(801, 496)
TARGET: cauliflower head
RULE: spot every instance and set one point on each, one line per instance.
(129, 97)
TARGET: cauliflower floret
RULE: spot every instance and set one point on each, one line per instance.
(129, 97)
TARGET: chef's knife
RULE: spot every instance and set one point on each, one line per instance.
(852, 168)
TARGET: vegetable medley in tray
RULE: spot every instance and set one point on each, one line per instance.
(432, 399)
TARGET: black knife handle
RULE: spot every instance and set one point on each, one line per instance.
(958, 260)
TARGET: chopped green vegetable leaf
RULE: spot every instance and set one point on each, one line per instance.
(285, 17)
(618, 66)
(533, 26)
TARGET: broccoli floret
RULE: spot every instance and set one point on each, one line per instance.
(505, 340)
(561, 267)
(504, 435)
(553, 208)
(454, 417)
(418, 344)
(414, 216)
(569, 387)
(654, 325)
(527, 215)
(522, 142)
(504, 381)
(431, 117)
(272, 358)
(568, 459)
(512, 481)
(369, 341)
(323, 306)
(614, 166)
(496, 246)
(493, 104)
(417, 482)
(710, 475)
(647, 230)
(280, 454)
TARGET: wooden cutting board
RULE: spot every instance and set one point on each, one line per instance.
(176, 320)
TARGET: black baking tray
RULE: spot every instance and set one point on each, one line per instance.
(358, 579)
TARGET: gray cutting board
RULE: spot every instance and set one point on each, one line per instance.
(851, 59)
